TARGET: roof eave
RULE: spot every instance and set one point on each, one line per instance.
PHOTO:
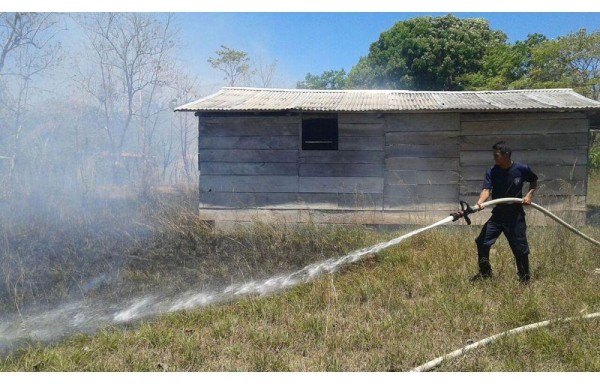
(432, 110)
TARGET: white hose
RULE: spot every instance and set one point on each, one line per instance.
(436, 362)
(541, 209)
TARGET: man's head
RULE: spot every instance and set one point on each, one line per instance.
(502, 153)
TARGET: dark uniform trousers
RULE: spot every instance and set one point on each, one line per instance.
(514, 227)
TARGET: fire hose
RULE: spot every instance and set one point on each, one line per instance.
(464, 212)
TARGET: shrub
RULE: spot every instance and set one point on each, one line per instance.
(594, 160)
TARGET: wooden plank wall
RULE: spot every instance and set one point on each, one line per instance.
(398, 163)
(248, 161)
(256, 161)
(555, 145)
(422, 160)
(352, 177)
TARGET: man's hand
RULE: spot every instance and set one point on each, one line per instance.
(483, 196)
(529, 196)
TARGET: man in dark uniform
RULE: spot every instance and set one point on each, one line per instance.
(505, 179)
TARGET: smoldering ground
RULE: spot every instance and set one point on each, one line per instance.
(79, 266)
(83, 147)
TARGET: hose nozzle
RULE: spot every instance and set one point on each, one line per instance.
(465, 211)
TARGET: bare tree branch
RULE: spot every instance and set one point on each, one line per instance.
(132, 54)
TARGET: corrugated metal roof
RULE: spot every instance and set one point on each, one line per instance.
(234, 99)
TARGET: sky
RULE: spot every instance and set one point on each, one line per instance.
(314, 42)
(316, 36)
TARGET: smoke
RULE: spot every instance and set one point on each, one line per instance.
(85, 148)
(91, 162)
(80, 316)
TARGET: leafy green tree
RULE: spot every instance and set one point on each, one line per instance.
(426, 53)
(364, 75)
(327, 80)
(504, 67)
(235, 65)
(594, 160)
(571, 61)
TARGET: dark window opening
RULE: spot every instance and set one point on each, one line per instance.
(320, 134)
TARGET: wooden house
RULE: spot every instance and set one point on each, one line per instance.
(382, 157)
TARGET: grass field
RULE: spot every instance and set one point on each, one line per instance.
(389, 312)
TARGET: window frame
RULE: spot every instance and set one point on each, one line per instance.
(319, 132)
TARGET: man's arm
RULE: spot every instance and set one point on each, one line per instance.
(483, 196)
(529, 196)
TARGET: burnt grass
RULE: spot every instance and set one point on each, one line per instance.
(105, 249)
(56, 248)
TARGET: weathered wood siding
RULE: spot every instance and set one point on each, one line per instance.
(555, 145)
(400, 165)
(248, 161)
(256, 161)
(352, 177)
(421, 162)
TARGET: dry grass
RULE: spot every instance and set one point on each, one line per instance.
(390, 312)
(132, 249)
(593, 197)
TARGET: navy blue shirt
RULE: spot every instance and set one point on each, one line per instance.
(508, 183)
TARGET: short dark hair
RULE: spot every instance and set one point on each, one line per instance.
(503, 148)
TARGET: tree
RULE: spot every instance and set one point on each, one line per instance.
(184, 127)
(327, 80)
(28, 49)
(426, 53)
(570, 61)
(265, 73)
(364, 75)
(235, 65)
(20, 30)
(124, 72)
(504, 67)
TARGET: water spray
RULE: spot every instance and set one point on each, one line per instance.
(88, 317)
